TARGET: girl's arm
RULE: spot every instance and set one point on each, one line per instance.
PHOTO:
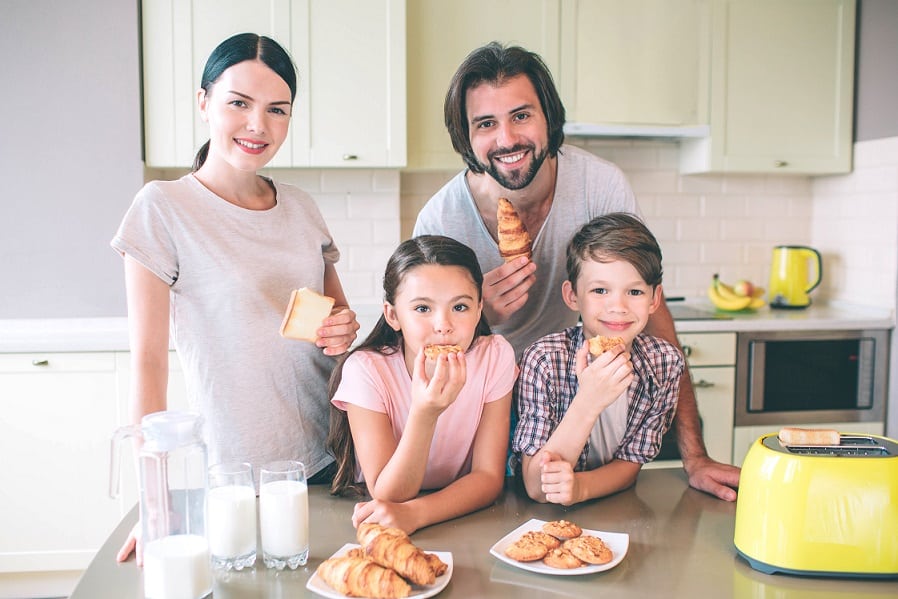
(394, 470)
(471, 492)
(148, 315)
(338, 330)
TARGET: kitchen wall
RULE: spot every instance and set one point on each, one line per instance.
(726, 224)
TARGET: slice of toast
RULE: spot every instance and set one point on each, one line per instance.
(790, 435)
(306, 310)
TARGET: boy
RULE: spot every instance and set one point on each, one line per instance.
(586, 426)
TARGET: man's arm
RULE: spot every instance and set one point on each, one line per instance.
(704, 473)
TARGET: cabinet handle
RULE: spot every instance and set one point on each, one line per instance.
(43, 362)
(780, 163)
(702, 384)
(687, 350)
(350, 157)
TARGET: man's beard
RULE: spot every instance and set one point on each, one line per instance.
(517, 179)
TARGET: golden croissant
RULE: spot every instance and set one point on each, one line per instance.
(514, 240)
(391, 548)
(360, 577)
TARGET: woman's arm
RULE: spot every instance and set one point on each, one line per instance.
(148, 316)
(471, 492)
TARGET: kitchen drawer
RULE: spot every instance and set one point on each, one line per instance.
(709, 349)
(39, 363)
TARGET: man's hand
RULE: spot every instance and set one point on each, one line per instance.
(712, 477)
(506, 288)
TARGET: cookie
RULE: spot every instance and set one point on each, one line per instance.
(562, 529)
(432, 352)
(540, 537)
(526, 549)
(589, 549)
(562, 558)
(599, 345)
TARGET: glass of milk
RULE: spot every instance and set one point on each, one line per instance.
(284, 514)
(231, 516)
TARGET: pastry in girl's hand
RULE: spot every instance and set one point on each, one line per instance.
(432, 352)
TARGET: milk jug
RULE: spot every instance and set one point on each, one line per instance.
(172, 475)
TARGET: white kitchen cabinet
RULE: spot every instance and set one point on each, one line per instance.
(781, 88)
(57, 413)
(440, 35)
(350, 56)
(634, 62)
(712, 365)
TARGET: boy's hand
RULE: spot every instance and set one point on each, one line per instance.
(606, 378)
(559, 484)
(438, 392)
(338, 331)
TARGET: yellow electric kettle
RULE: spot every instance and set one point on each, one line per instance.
(794, 272)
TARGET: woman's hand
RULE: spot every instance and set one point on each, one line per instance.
(437, 392)
(338, 331)
(132, 543)
(387, 513)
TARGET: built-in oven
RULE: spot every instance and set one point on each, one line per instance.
(809, 379)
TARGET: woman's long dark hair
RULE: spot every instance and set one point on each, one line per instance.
(236, 49)
(418, 251)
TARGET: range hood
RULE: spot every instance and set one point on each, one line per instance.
(636, 131)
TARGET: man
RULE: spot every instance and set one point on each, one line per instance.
(505, 118)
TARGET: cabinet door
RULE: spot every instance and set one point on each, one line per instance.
(714, 393)
(440, 35)
(350, 57)
(634, 61)
(782, 80)
(57, 415)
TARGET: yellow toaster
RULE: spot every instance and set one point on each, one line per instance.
(820, 510)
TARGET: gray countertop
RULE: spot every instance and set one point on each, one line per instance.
(111, 334)
(681, 545)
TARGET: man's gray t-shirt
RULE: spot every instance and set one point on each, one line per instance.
(231, 272)
(586, 187)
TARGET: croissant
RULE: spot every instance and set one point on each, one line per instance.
(514, 240)
(391, 548)
(360, 577)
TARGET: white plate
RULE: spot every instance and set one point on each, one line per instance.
(317, 585)
(618, 542)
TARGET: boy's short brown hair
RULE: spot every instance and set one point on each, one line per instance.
(616, 236)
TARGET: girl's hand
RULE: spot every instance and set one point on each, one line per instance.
(387, 513)
(606, 378)
(338, 331)
(439, 391)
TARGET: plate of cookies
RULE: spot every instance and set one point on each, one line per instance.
(561, 548)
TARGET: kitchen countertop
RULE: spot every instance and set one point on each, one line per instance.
(681, 545)
(111, 334)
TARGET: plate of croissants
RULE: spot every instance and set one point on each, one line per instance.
(561, 548)
(385, 564)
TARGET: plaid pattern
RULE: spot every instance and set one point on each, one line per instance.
(548, 382)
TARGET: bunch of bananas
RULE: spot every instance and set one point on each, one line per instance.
(744, 296)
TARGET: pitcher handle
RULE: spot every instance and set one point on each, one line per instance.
(818, 269)
(115, 458)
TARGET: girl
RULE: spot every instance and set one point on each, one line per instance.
(213, 257)
(402, 425)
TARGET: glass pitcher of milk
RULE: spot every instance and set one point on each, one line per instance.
(173, 464)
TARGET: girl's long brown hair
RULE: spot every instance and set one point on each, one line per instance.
(418, 251)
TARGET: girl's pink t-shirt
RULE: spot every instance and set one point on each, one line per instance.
(382, 383)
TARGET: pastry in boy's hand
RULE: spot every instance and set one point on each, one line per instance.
(562, 529)
(599, 344)
(514, 240)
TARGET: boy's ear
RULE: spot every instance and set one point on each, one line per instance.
(390, 316)
(569, 294)
(657, 298)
